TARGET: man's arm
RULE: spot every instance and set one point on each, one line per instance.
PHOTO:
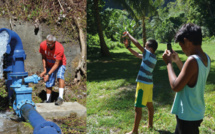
(54, 67)
(44, 65)
(179, 64)
(186, 75)
(178, 83)
(177, 60)
(136, 43)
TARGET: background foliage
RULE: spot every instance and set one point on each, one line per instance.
(160, 25)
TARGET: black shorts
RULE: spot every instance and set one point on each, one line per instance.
(187, 127)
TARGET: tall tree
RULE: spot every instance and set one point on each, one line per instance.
(139, 10)
(104, 48)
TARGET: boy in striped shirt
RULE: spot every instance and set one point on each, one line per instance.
(144, 90)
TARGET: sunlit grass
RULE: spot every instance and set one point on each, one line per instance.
(111, 88)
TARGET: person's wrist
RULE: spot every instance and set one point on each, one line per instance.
(168, 62)
(177, 61)
(48, 74)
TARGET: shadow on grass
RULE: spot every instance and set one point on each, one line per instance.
(164, 132)
(126, 66)
(119, 66)
(120, 101)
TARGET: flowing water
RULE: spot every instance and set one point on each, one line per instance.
(7, 125)
(4, 37)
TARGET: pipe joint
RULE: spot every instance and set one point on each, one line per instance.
(47, 127)
(19, 54)
(17, 107)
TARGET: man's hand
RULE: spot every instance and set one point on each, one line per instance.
(46, 78)
(42, 74)
(175, 57)
(167, 57)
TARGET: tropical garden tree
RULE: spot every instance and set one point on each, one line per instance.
(104, 49)
(140, 10)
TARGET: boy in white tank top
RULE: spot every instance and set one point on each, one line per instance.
(188, 105)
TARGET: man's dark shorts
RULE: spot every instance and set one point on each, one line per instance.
(187, 127)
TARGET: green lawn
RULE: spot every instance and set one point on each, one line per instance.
(111, 88)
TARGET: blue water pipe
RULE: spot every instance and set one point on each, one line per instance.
(41, 126)
(17, 80)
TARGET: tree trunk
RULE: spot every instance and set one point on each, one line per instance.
(80, 71)
(104, 48)
(144, 31)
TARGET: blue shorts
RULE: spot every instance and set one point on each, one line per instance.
(60, 75)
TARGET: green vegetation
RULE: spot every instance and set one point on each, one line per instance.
(111, 89)
(60, 15)
(158, 19)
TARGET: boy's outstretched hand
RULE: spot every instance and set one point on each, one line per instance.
(125, 40)
(125, 34)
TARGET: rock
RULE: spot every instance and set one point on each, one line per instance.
(80, 96)
(50, 110)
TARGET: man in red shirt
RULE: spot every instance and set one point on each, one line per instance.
(54, 64)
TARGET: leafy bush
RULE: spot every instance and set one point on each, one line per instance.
(117, 21)
(93, 47)
(92, 40)
(113, 44)
(209, 40)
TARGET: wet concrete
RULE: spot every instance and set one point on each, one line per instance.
(50, 110)
(7, 126)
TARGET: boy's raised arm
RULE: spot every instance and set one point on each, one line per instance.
(136, 43)
(135, 53)
(131, 50)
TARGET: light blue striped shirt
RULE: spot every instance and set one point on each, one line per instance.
(147, 66)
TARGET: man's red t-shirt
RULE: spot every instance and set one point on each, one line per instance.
(52, 55)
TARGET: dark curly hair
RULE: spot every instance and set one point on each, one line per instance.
(190, 31)
(152, 44)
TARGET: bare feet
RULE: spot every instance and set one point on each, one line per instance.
(149, 127)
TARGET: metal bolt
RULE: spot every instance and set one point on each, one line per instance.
(42, 125)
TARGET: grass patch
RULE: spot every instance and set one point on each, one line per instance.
(111, 89)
